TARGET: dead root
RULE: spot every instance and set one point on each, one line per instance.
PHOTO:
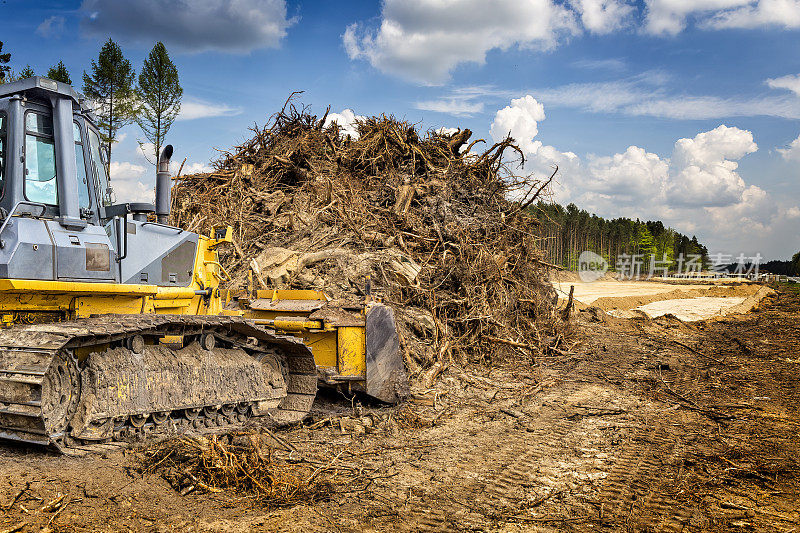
(433, 225)
(241, 463)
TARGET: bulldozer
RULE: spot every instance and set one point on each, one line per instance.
(115, 325)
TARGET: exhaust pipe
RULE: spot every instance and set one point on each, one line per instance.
(163, 186)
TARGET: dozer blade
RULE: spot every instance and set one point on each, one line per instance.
(386, 372)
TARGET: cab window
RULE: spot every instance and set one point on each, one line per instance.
(40, 159)
(103, 190)
(84, 200)
(2, 150)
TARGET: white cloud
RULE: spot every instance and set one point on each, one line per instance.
(791, 83)
(447, 131)
(127, 180)
(785, 13)
(791, 152)
(696, 190)
(613, 64)
(238, 26)
(51, 27)
(146, 151)
(191, 168)
(194, 108)
(424, 40)
(603, 16)
(459, 107)
(632, 175)
(707, 107)
(520, 120)
(646, 95)
(346, 121)
(670, 17)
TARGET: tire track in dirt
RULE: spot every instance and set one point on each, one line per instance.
(630, 494)
(474, 504)
(507, 486)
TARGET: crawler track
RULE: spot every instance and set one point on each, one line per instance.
(111, 378)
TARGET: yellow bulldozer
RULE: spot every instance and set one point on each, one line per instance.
(115, 325)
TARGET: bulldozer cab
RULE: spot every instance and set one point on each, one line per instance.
(59, 218)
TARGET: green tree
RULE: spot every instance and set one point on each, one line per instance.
(27, 72)
(796, 264)
(59, 73)
(159, 93)
(4, 59)
(110, 86)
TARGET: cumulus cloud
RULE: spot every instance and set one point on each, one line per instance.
(603, 16)
(696, 188)
(630, 175)
(424, 40)
(238, 26)
(520, 120)
(346, 120)
(193, 108)
(704, 168)
(51, 27)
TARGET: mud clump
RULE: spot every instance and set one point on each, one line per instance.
(426, 220)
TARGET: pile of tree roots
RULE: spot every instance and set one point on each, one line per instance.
(438, 228)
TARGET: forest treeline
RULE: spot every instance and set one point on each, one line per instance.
(566, 232)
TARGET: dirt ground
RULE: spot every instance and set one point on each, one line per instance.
(589, 292)
(633, 425)
(687, 301)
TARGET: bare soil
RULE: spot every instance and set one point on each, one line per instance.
(631, 425)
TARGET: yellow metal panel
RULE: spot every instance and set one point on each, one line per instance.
(174, 341)
(34, 302)
(352, 351)
(71, 287)
(292, 294)
(85, 306)
(296, 325)
(162, 304)
(323, 346)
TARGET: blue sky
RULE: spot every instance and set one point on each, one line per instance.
(681, 110)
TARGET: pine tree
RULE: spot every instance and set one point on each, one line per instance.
(27, 72)
(159, 94)
(59, 73)
(110, 86)
(4, 59)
